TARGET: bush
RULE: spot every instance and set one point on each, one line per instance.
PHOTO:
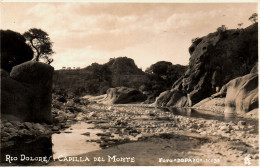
(223, 28)
(14, 50)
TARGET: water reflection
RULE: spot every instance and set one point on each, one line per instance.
(195, 113)
(226, 117)
(230, 116)
(72, 141)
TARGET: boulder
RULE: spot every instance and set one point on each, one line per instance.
(215, 60)
(242, 94)
(26, 93)
(215, 104)
(172, 98)
(123, 95)
(162, 98)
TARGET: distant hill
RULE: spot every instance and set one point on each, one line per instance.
(97, 78)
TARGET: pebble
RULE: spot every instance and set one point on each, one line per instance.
(28, 125)
(8, 124)
(203, 133)
(86, 134)
(241, 123)
(55, 128)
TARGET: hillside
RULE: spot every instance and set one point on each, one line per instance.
(97, 78)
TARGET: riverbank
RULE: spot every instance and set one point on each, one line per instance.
(177, 149)
(150, 134)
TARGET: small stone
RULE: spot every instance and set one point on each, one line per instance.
(4, 139)
(256, 156)
(67, 132)
(86, 134)
(8, 124)
(111, 142)
(39, 127)
(242, 127)
(223, 128)
(192, 130)
(5, 134)
(28, 125)
(23, 132)
(12, 130)
(235, 127)
(55, 128)
(103, 145)
(241, 123)
(16, 123)
(203, 133)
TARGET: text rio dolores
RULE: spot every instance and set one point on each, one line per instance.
(23, 157)
(45, 159)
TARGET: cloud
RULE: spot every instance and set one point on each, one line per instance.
(79, 57)
(88, 32)
(96, 25)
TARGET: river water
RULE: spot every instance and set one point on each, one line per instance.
(72, 141)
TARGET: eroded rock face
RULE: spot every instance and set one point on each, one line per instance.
(242, 94)
(215, 60)
(26, 93)
(123, 95)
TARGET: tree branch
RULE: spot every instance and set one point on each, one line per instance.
(37, 51)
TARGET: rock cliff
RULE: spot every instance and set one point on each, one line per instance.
(215, 60)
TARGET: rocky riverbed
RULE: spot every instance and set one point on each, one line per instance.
(144, 127)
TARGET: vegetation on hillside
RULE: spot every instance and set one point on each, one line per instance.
(97, 78)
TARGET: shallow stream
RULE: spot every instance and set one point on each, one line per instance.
(82, 137)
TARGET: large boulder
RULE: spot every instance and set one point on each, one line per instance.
(26, 93)
(123, 95)
(242, 94)
(173, 98)
(215, 60)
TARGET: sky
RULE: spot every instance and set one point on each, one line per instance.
(83, 32)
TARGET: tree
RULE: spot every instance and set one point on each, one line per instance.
(166, 71)
(240, 25)
(160, 68)
(253, 18)
(194, 40)
(40, 43)
(14, 50)
(223, 28)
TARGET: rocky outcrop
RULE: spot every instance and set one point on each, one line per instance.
(97, 78)
(26, 93)
(242, 94)
(172, 98)
(239, 96)
(123, 95)
(215, 60)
